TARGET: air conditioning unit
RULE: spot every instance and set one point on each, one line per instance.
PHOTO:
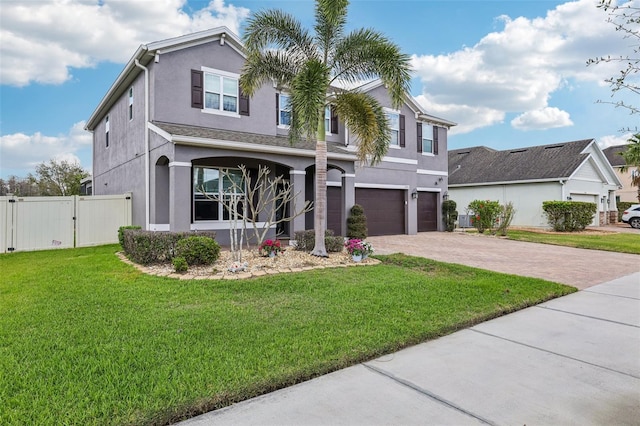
(464, 221)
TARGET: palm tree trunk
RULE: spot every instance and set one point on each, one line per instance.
(320, 202)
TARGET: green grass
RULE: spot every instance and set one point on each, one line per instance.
(619, 242)
(86, 339)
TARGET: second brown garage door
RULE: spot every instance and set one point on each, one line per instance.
(384, 209)
(427, 211)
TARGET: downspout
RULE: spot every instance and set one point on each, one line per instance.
(563, 198)
(146, 144)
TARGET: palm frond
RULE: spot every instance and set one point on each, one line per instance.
(308, 94)
(331, 18)
(259, 67)
(366, 118)
(366, 54)
(280, 30)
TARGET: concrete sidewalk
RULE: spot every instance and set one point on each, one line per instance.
(572, 360)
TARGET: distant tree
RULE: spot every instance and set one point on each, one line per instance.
(60, 178)
(20, 187)
(626, 19)
(632, 159)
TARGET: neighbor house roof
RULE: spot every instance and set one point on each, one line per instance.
(537, 163)
(613, 155)
(243, 141)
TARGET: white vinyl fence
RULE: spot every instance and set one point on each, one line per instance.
(40, 223)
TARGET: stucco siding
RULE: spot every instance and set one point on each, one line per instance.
(172, 90)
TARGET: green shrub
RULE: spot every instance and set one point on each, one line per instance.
(357, 223)
(149, 247)
(505, 217)
(121, 233)
(569, 216)
(198, 250)
(485, 214)
(622, 206)
(449, 215)
(306, 240)
(180, 264)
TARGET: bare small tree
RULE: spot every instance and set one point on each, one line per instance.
(248, 199)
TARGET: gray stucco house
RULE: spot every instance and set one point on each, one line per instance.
(175, 117)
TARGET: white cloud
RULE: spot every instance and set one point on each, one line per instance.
(517, 69)
(41, 40)
(544, 118)
(613, 140)
(22, 152)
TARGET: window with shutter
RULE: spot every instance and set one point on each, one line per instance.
(435, 140)
(402, 133)
(425, 138)
(419, 131)
(196, 89)
(334, 120)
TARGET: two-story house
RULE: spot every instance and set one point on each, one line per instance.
(175, 119)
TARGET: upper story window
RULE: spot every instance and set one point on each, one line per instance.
(284, 109)
(131, 103)
(106, 131)
(396, 126)
(427, 139)
(218, 92)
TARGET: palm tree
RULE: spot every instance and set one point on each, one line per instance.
(313, 67)
(632, 159)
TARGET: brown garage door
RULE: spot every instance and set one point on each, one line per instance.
(384, 209)
(427, 211)
(334, 221)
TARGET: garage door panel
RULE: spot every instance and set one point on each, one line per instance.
(384, 208)
(427, 211)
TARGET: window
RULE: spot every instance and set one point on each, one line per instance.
(427, 138)
(208, 190)
(284, 109)
(106, 131)
(327, 119)
(394, 126)
(131, 103)
(220, 93)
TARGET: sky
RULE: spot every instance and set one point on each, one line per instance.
(511, 73)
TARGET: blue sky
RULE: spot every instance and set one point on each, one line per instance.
(512, 73)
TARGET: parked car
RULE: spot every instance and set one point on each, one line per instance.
(632, 216)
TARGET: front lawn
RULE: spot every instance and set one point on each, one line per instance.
(608, 241)
(86, 339)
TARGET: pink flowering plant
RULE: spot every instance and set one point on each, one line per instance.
(355, 247)
(486, 214)
(270, 246)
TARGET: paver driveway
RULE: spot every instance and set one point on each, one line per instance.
(577, 267)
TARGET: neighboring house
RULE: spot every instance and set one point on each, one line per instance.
(86, 186)
(627, 193)
(576, 171)
(175, 118)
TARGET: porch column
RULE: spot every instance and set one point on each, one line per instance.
(348, 198)
(297, 180)
(180, 196)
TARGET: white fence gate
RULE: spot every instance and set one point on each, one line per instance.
(40, 223)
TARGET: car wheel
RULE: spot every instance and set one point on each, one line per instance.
(635, 222)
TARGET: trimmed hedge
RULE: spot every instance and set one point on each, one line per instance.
(622, 206)
(569, 216)
(449, 214)
(121, 233)
(306, 240)
(357, 223)
(197, 250)
(148, 247)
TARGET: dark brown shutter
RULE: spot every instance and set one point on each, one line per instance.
(402, 139)
(435, 140)
(277, 108)
(334, 120)
(244, 104)
(419, 129)
(197, 89)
